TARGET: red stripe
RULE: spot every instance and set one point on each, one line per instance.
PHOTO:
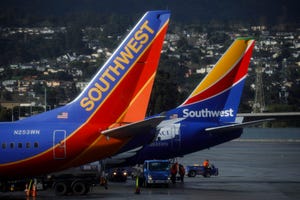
(234, 76)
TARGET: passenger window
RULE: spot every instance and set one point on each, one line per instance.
(3, 145)
(27, 145)
(20, 145)
(12, 145)
(36, 145)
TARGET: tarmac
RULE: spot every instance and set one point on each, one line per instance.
(247, 170)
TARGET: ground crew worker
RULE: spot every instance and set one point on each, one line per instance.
(181, 172)
(206, 163)
(174, 172)
(138, 180)
(206, 167)
(103, 180)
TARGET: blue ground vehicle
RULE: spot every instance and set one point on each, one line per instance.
(194, 170)
(156, 172)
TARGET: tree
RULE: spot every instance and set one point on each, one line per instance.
(74, 36)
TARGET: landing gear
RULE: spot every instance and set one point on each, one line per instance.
(76, 187)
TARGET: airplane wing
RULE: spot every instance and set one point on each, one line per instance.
(276, 115)
(236, 125)
(133, 129)
(248, 119)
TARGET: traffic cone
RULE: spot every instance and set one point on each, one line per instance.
(33, 191)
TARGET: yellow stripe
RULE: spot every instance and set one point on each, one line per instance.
(231, 56)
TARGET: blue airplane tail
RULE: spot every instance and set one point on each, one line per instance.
(217, 97)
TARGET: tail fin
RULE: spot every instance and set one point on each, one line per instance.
(218, 95)
(123, 81)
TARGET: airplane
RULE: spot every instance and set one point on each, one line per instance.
(114, 101)
(208, 117)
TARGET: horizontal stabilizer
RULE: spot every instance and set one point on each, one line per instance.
(236, 125)
(283, 116)
(133, 129)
